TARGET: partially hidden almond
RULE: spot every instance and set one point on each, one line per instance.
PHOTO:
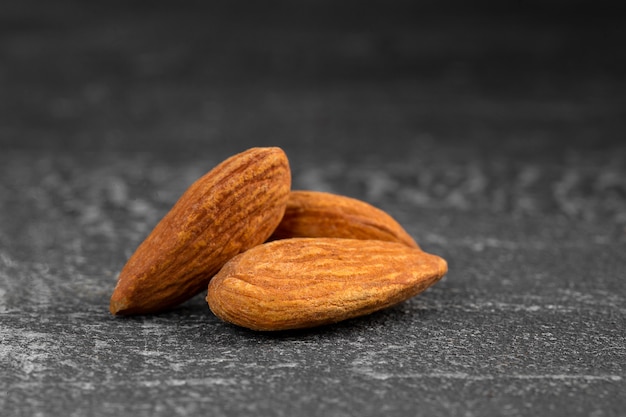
(232, 208)
(306, 282)
(320, 214)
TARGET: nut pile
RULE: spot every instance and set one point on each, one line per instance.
(273, 258)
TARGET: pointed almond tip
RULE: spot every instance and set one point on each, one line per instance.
(443, 266)
(119, 303)
(116, 306)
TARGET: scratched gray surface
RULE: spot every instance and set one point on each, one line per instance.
(497, 141)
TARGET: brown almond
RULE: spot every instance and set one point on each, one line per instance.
(320, 214)
(230, 209)
(306, 282)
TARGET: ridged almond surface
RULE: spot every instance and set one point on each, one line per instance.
(320, 214)
(306, 282)
(232, 208)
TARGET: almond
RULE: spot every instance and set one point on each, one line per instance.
(306, 282)
(232, 208)
(319, 214)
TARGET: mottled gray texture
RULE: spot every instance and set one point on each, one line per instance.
(496, 140)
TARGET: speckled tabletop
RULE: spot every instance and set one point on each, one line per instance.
(496, 139)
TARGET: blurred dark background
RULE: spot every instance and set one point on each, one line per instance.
(324, 76)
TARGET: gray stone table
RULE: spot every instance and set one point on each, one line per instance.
(496, 137)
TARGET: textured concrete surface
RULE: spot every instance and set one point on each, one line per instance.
(496, 137)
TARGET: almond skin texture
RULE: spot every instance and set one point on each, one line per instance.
(319, 214)
(232, 208)
(306, 282)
